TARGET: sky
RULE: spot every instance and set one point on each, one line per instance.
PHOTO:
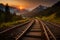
(28, 4)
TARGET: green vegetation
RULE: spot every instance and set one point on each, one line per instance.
(8, 19)
(49, 18)
(51, 14)
(52, 18)
(10, 24)
(7, 16)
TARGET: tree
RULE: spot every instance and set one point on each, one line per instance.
(8, 15)
(7, 9)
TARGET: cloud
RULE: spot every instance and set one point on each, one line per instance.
(29, 3)
(36, 2)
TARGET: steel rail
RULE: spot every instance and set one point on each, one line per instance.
(46, 27)
(13, 27)
(20, 35)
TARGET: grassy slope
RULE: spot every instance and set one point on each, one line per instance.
(9, 24)
(52, 18)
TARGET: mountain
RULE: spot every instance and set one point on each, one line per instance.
(40, 8)
(18, 11)
(45, 11)
(2, 7)
(36, 11)
(54, 9)
(13, 9)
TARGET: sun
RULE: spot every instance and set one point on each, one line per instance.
(21, 7)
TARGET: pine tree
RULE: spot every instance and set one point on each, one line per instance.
(7, 13)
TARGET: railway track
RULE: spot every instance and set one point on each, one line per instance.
(54, 29)
(54, 24)
(38, 31)
(2, 31)
(11, 33)
(32, 33)
(34, 30)
(49, 35)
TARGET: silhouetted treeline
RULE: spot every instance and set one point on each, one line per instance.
(7, 16)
